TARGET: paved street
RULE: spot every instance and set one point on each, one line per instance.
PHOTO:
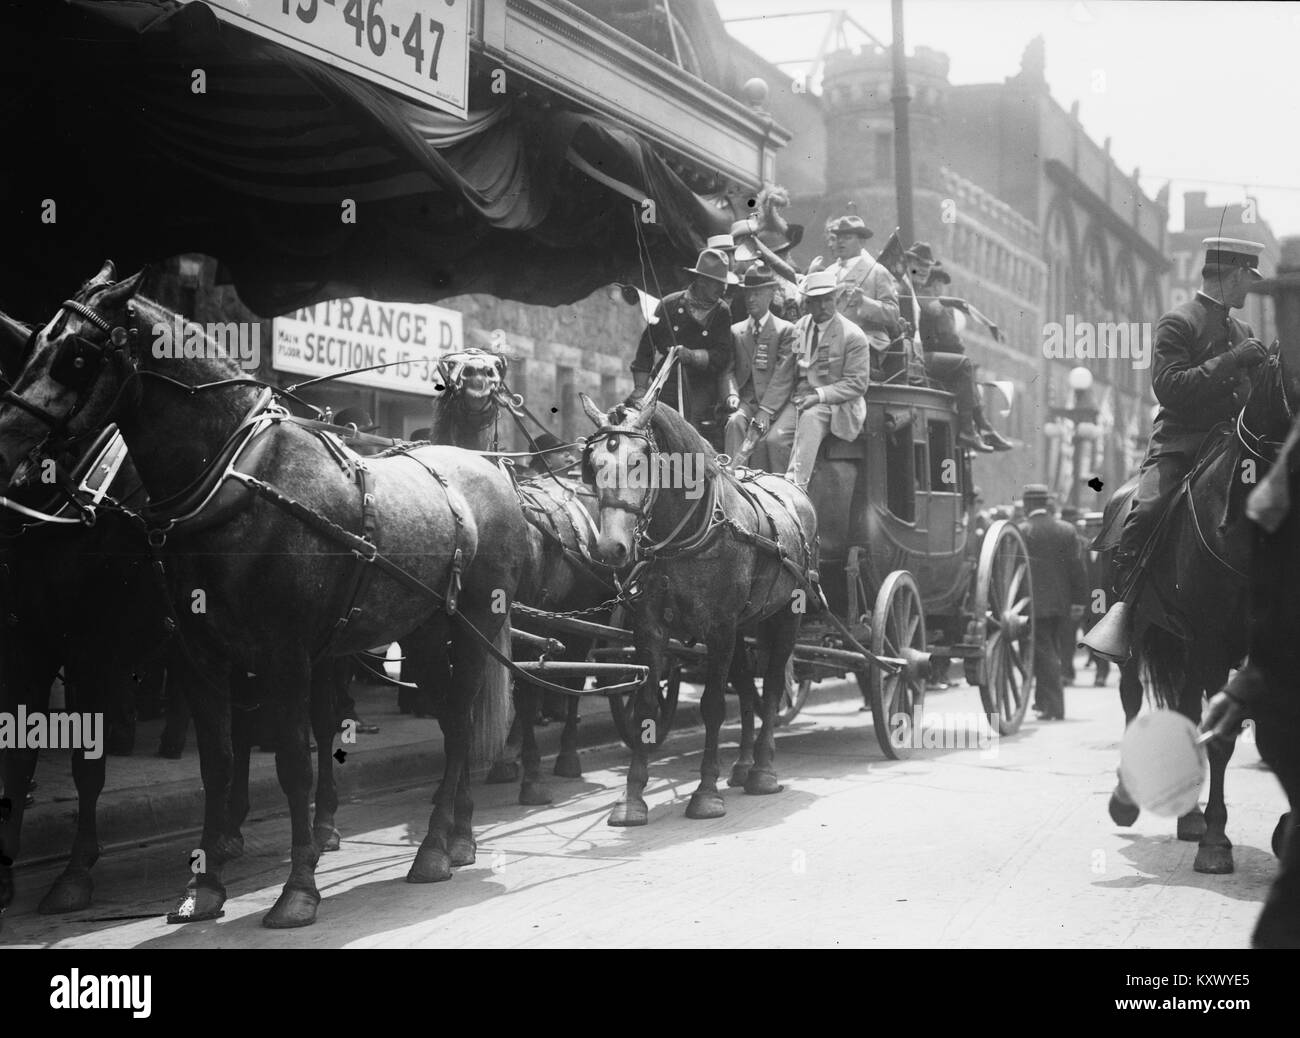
(952, 848)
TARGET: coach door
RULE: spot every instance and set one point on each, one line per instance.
(945, 478)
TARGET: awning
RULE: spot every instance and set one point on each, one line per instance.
(107, 138)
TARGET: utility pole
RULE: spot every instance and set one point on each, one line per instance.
(902, 135)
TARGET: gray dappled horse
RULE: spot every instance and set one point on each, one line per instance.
(561, 575)
(719, 555)
(272, 547)
(1190, 620)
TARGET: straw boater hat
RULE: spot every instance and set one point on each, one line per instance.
(713, 264)
(820, 283)
(721, 242)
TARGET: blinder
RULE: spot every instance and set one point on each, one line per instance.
(77, 363)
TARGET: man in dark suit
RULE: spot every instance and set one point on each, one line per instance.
(1202, 355)
(1069, 640)
(759, 382)
(1060, 589)
(699, 320)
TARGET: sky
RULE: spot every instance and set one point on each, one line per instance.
(1205, 95)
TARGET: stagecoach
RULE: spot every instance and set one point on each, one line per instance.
(912, 583)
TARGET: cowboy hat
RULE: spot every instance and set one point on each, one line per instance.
(713, 264)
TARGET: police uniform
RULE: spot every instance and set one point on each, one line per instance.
(1059, 582)
(1199, 365)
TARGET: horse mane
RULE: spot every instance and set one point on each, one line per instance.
(675, 435)
(210, 367)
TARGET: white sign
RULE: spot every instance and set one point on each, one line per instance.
(417, 48)
(358, 333)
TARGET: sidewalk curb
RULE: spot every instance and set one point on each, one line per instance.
(143, 814)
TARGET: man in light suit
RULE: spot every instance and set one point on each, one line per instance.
(759, 381)
(831, 368)
(868, 293)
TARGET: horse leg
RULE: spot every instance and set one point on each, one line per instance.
(1214, 856)
(780, 633)
(1123, 811)
(567, 763)
(651, 642)
(210, 706)
(289, 671)
(247, 696)
(742, 678)
(1191, 826)
(26, 680)
(532, 788)
(506, 768)
(177, 714)
(1278, 737)
(329, 683)
(706, 801)
(433, 861)
(73, 889)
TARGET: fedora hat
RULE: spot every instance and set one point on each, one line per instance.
(713, 264)
(759, 276)
(820, 283)
(922, 251)
(850, 225)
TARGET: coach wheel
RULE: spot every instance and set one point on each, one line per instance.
(897, 625)
(1004, 610)
(793, 696)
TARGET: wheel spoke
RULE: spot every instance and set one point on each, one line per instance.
(1016, 579)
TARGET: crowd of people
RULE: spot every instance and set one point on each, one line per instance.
(773, 360)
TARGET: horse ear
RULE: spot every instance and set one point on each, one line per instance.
(121, 291)
(596, 415)
(644, 415)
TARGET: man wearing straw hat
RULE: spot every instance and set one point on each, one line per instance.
(699, 321)
(831, 366)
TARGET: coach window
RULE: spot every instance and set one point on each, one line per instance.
(900, 479)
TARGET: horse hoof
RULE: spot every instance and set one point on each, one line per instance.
(1121, 812)
(739, 775)
(430, 866)
(534, 794)
(230, 848)
(503, 771)
(706, 805)
(568, 766)
(463, 851)
(293, 908)
(629, 812)
(71, 892)
(1214, 860)
(762, 783)
(1279, 835)
(200, 903)
(1191, 826)
(327, 838)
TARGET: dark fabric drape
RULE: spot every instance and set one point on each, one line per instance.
(99, 117)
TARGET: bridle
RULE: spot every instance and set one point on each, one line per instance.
(76, 366)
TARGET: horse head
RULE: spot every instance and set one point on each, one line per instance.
(77, 376)
(615, 462)
(473, 376)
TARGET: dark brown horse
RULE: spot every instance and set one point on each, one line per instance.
(281, 550)
(562, 573)
(1190, 623)
(711, 555)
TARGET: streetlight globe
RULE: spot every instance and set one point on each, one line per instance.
(1080, 379)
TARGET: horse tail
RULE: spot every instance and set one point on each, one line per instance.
(1164, 659)
(491, 719)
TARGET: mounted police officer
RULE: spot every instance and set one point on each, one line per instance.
(1201, 355)
(1060, 589)
(760, 382)
(699, 320)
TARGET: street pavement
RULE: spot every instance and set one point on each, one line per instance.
(1006, 846)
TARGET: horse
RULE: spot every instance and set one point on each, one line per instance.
(253, 514)
(743, 552)
(562, 573)
(79, 598)
(1189, 627)
(1266, 686)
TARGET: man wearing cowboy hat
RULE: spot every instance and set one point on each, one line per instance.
(699, 320)
(868, 294)
(1201, 360)
(945, 354)
(830, 368)
(759, 382)
(1060, 590)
